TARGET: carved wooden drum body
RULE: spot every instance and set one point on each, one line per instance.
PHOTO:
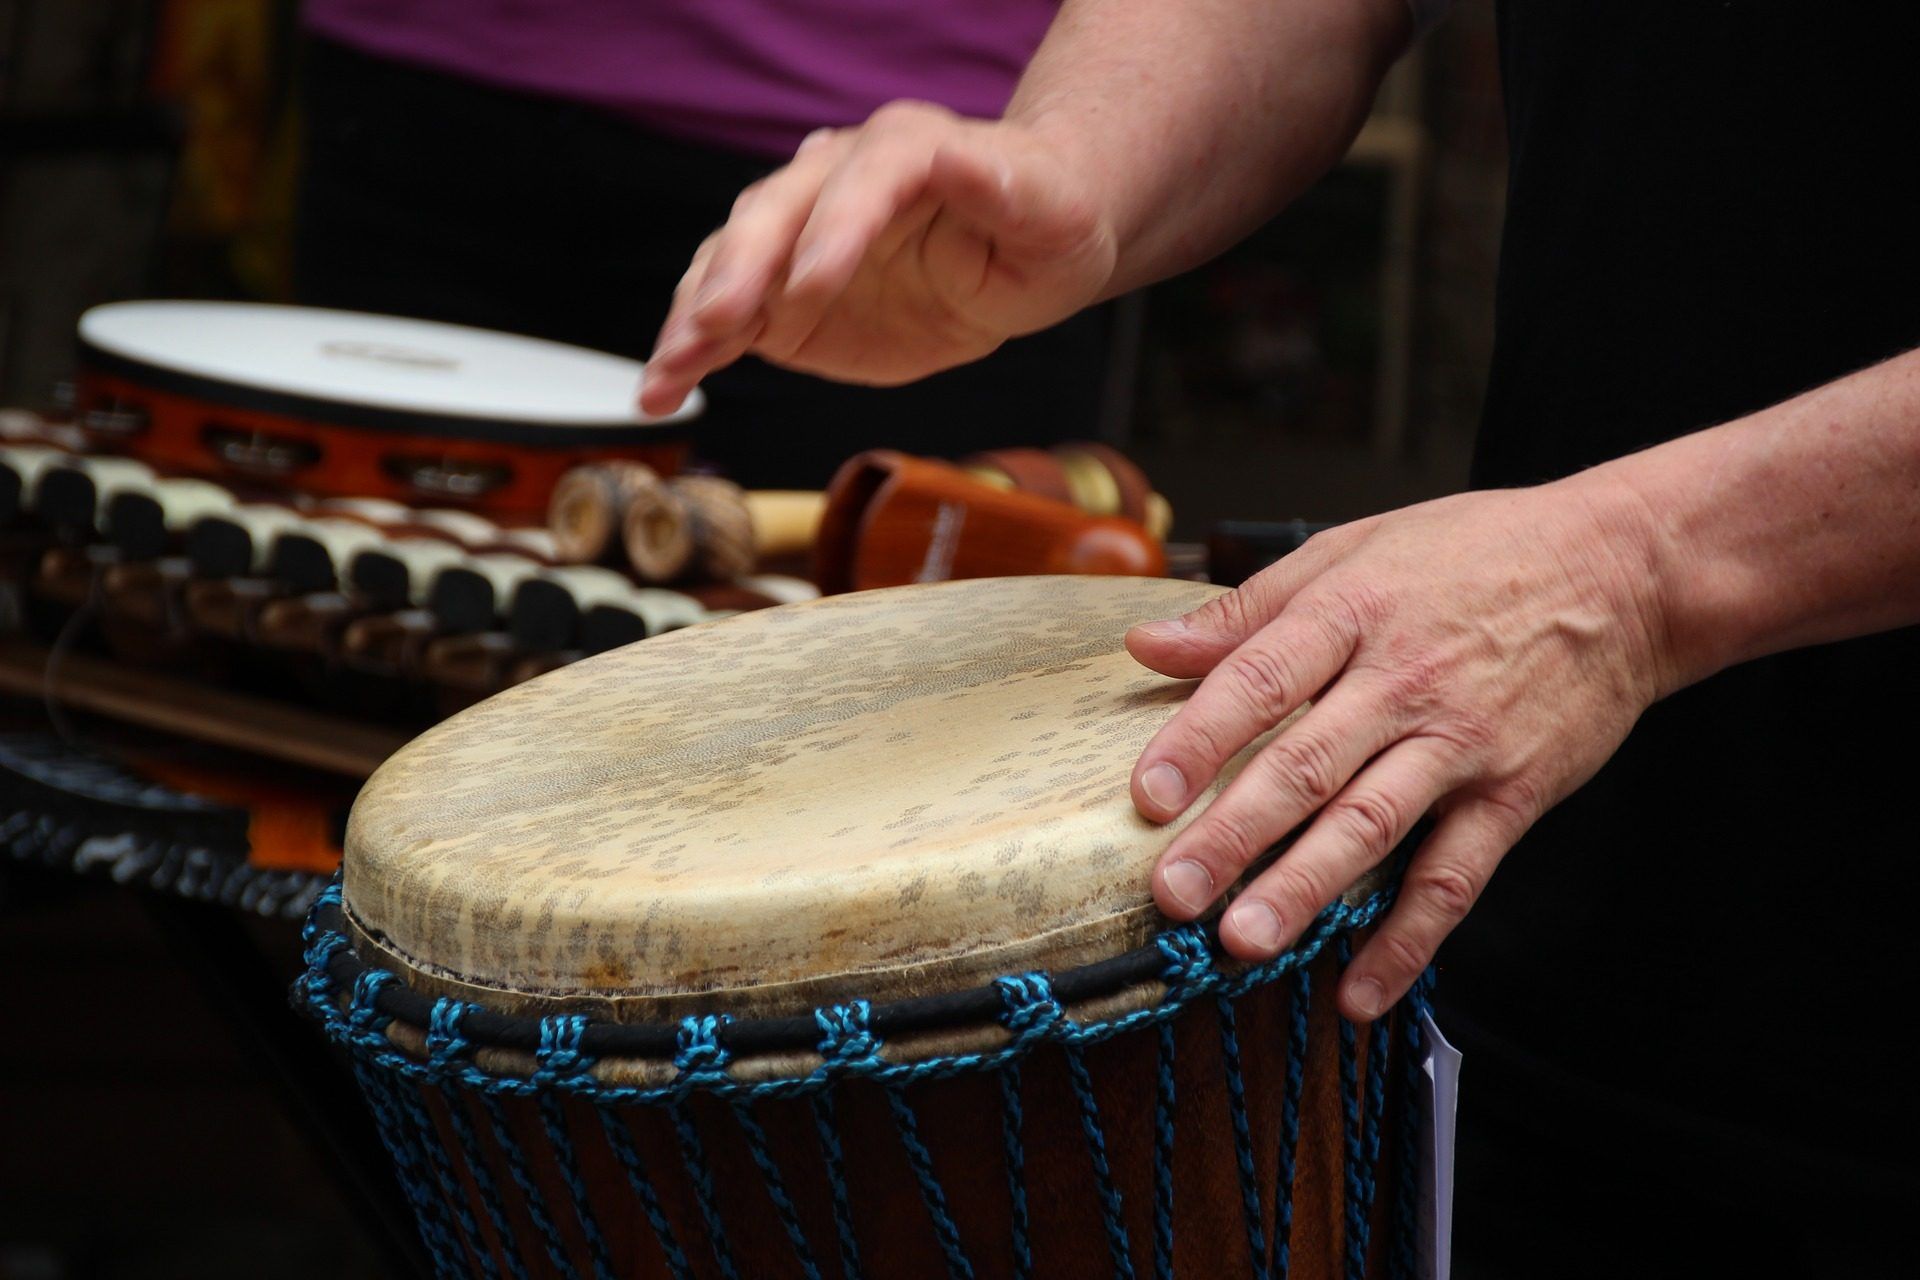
(817, 942)
(343, 403)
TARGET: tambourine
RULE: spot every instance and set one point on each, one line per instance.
(338, 402)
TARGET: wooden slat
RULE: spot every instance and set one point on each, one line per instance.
(259, 725)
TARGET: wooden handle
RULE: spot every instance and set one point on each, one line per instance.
(785, 522)
(735, 529)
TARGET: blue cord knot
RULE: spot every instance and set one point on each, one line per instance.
(1032, 1011)
(327, 897)
(1189, 959)
(558, 1060)
(447, 1043)
(701, 1056)
(364, 1017)
(846, 1041)
(320, 951)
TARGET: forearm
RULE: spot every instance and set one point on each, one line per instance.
(1797, 525)
(1193, 122)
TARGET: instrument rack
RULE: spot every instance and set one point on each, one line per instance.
(301, 658)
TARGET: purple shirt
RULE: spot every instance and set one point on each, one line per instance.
(754, 75)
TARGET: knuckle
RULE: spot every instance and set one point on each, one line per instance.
(1404, 955)
(1450, 889)
(1513, 803)
(1231, 612)
(1471, 732)
(1302, 891)
(779, 343)
(1362, 605)
(1414, 679)
(1261, 678)
(1369, 821)
(1204, 741)
(1304, 764)
(1234, 839)
(749, 196)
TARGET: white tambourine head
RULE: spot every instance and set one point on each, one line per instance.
(383, 362)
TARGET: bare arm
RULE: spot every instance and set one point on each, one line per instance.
(1196, 122)
(1146, 136)
(1794, 526)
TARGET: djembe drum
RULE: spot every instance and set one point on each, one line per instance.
(817, 942)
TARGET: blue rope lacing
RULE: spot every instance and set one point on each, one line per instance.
(447, 1048)
(1163, 1134)
(701, 1059)
(1298, 1008)
(365, 1020)
(1242, 1139)
(628, 1154)
(1032, 1013)
(1032, 1016)
(847, 1046)
(517, 1169)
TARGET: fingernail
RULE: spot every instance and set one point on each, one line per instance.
(1257, 924)
(1166, 630)
(1164, 786)
(1189, 884)
(1366, 997)
(715, 286)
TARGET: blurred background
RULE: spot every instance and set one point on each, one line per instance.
(1329, 368)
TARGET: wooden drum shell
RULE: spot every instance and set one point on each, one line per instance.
(959, 1120)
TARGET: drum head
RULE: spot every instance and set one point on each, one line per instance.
(882, 794)
(305, 362)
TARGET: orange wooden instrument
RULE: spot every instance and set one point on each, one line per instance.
(893, 519)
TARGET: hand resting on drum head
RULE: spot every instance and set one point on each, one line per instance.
(1479, 657)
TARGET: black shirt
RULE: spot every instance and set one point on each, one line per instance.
(1705, 958)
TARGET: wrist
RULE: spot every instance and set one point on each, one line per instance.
(1702, 595)
(1070, 142)
(1617, 545)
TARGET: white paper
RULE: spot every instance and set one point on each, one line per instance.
(1440, 1072)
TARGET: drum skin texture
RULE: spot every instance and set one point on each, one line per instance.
(858, 796)
(885, 796)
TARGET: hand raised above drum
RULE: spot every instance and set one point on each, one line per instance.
(883, 253)
(1478, 657)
